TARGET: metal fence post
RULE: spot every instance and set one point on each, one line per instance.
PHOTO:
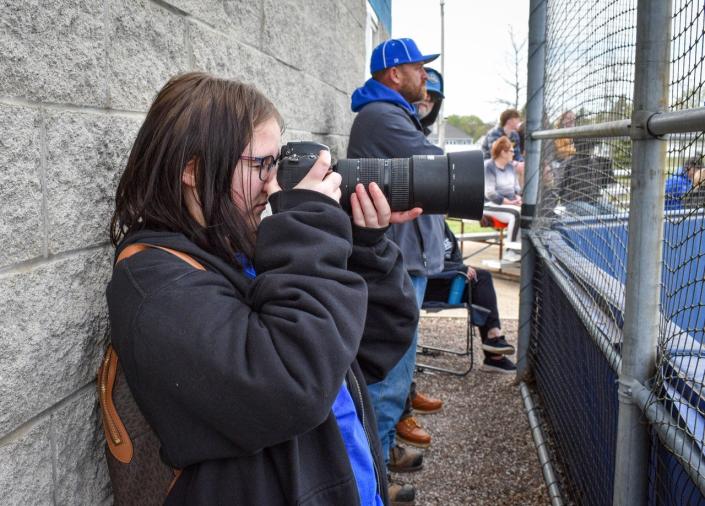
(644, 248)
(534, 118)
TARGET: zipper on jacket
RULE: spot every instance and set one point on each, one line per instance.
(424, 258)
(109, 422)
(367, 434)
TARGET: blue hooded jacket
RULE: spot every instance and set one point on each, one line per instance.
(386, 126)
(677, 186)
(374, 91)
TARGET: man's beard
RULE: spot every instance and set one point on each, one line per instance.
(412, 94)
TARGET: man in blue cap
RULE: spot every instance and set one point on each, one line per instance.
(387, 126)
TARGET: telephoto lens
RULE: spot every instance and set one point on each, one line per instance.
(452, 184)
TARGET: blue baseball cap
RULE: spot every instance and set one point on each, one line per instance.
(393, 52)
(434, 83)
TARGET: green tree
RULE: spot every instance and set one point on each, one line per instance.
(471, 125)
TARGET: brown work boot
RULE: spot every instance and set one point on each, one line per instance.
(405, 460)
(425, 405)
(410, 432)
(400, 495)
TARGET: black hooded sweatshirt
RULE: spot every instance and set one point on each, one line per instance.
(238, 376)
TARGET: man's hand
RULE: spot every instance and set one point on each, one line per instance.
(472, 273)
(372, 210)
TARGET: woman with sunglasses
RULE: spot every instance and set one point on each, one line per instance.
(251, 366)
(503, 193)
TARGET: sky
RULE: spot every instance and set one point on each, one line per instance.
(477, 48)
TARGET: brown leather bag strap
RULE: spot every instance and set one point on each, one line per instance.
(139, 247)
(116, 435)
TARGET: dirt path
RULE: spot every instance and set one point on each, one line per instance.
(482, 452)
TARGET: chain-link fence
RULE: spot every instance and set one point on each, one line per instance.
(617, 287)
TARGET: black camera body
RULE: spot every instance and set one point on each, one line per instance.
(452, 184)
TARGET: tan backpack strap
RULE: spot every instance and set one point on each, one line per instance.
(139, 247)
(177, 475)
(115, 433)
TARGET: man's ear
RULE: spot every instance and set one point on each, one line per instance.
(188, 176)
(394, 75)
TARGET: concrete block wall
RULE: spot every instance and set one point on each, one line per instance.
(76, 78)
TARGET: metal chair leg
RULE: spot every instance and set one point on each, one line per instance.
(434, 351)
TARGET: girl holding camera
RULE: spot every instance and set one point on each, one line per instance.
(252, 370)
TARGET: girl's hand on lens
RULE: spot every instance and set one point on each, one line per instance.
(321, 179)
(372, 210)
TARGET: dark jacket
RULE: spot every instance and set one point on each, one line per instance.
(237, 376)
(495, 134)
(386, 126)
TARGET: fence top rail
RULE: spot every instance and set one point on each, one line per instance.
(658, 123)
(687, 120)
(608, 129)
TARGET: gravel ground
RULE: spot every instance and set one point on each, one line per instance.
(482, 452)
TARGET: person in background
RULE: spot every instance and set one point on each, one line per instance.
(478, 290)
(251, 367)
(503, 194)
(521, 132)
(386, 126)
(509, 122)
(682, 182)
(408, 429)
(428, 108)
(564, 148)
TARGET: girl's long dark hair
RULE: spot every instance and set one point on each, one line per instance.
(202, 118)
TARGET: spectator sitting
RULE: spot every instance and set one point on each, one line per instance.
(564, 147)
(503, 193)
(509, 122)
(680, 184)
(481, 292)
(582, 179)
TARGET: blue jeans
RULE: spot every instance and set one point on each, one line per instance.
(389, 395)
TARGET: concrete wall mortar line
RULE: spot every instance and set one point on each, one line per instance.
(175, 10)
(43, 181)
(20, 431)
(51, 106)
(189, 46)
(54, 457)
(106, 52)
(265, 53)
(29, 265)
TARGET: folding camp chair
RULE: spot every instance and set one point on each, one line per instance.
(436, 300)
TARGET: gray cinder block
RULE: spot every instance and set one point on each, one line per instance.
(21, 220)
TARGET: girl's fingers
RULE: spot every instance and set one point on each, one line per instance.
(368, 208)
(358, 217)
(384, 212)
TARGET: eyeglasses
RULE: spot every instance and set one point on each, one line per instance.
(265, 164)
